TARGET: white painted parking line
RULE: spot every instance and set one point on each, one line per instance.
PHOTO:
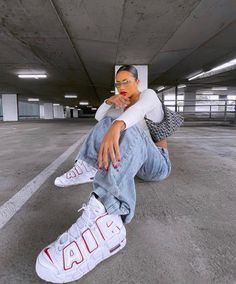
(14, 204)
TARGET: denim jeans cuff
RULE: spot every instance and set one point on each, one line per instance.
(112, 205)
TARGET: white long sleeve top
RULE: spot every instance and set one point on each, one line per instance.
(148, 104)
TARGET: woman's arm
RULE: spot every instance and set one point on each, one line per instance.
(102, 110)
(117, 100)
(147, 102)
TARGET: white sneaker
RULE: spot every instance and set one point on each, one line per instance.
(80, 173)
(95, 236)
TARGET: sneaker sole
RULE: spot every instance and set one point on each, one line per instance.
(42, 271)
(87, 181)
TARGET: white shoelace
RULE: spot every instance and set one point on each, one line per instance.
(68, 235)
(78, 168)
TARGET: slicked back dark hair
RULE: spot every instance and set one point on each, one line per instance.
(129, 68)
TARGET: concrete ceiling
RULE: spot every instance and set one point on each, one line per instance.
(77, 43)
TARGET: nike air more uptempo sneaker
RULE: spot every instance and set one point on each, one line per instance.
(95, 236)
(79, 174)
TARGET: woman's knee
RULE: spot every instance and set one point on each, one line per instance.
(104, 124)
(164, 175)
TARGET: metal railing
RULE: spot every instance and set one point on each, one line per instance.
(211, 109)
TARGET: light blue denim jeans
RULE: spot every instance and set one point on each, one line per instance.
(139, 156)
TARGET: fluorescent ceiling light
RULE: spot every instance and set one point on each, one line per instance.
(181, 86)
(160, 88)
(225, 65)
(83, 103)
(219, 89)
(205, 92)
(93, 108)
(33, 100)
(217, 68)
(56, 104)
(32, 76)
(112, 91)
(71, 96)
(196, 76)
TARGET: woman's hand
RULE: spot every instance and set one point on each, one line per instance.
(162, 143)
(119, 101)
(110, 145)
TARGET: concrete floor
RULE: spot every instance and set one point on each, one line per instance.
(184, 229)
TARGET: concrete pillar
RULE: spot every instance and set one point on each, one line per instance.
(68, 113)
(9, 107)
(41, 111)
(75, 113)
(223, 107)
(48, 111)
(235, 114)
(189, 100)
(58, 112)
(142, 74)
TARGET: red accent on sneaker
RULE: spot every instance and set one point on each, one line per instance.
(76, 262)
(98, 226)
(84, 238)
(47, 253)
(109, 223)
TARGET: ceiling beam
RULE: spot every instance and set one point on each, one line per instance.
(60, 18)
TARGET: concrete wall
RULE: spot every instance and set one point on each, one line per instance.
(28, 110)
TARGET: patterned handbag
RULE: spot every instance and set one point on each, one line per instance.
(160, 130)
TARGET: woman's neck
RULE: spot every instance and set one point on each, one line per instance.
(135, 97)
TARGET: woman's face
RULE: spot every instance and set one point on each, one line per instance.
(126, 84)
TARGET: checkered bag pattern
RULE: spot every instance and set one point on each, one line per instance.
(160, 130)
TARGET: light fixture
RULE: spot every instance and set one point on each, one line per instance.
(32, 76)
(160, 88)
(83, 103)
(217, 68)
(196, 76)
(219, 89)
(181, 86)
(112, 91)
(56, 104)
(93, 108)
(224, 65)
(205, 92)
(33, 100)
(71, 96)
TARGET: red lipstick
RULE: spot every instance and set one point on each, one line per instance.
(123, 93)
